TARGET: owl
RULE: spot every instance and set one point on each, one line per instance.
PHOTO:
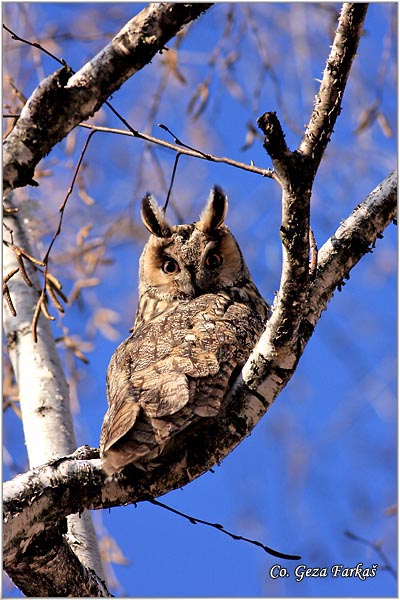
(199, 315)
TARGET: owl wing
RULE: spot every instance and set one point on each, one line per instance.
(170, 372)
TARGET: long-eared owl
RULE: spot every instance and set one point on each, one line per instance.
(199, 315)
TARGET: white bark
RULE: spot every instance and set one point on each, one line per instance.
(63, 100)
(43, 390)
(36, 499)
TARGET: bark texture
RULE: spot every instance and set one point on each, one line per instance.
(41, 497)
(48, 428)
(65, 99)
(56, 106)
(36, 503)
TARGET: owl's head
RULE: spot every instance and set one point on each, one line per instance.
(184, 261)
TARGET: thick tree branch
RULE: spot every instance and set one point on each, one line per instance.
(354, 238)
(40, 498)
(63, 100)
(296, 179)
(281, 342)
(329, 98)
(36, 503)
(48, 567)
(58, 104)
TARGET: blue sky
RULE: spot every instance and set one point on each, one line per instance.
(324, 458)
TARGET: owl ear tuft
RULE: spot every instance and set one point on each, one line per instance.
(214, 213)
(153, 218)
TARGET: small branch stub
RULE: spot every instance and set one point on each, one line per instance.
(274, 141)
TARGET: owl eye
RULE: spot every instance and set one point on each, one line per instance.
(213, 260)
(170, 266)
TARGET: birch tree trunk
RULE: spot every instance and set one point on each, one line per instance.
(43, 389)
(42, 556)
(59, 103)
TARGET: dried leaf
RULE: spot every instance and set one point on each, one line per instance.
(111, 552)
(55, 287)
(73, 345)
(384, 124)
(25, 254)
(82, 283)
(171, 61)
(43, 308)
(200, 96)
(251, 135)
(70, 142)
(83, 233)
(6, 293)
(88, 200)
(102, 320)
(20, 262)
(367, 117)
(54, 299)
(10, 274)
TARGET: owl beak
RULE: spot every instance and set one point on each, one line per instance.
(188, 284)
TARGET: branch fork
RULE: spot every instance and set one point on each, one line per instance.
(42, 497)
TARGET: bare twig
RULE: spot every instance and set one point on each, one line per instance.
(179, 147)
(68, 194)
(14, 36)
(377, 547)
(51, 285)
(177, 157)
(83, 93)
(6, 291)
(221, 528)
(182, 149)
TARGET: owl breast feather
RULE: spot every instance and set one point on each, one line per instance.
(171, 372)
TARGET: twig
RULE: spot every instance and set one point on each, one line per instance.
(185, 150)
(68, 194)
(135, 133)
(377, 547)
(51, 285)
(6, 291)
(180, 143)
(14, 36)
(177, 157)
(219, 527)
(180, 148)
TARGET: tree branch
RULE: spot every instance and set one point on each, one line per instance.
(329, 98)
(63, 100)
(43, 496)
(36, 503)
(354, 238)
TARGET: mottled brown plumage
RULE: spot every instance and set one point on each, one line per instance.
(198, 317)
